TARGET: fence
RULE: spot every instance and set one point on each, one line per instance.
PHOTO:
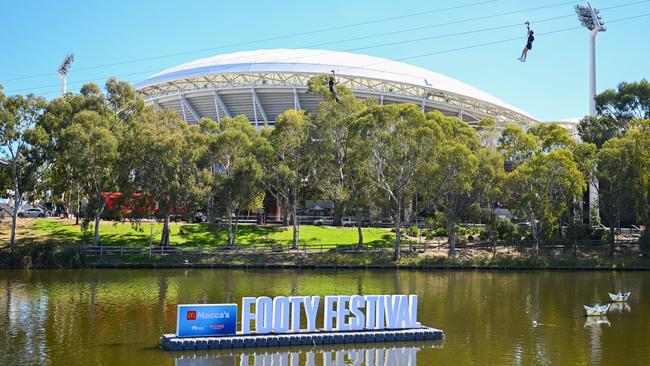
(237, 249)
(328, 248)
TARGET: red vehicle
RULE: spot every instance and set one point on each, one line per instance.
(138, 205)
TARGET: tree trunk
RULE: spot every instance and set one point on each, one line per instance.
(76, 221)
(360, 232)
(612, 240)
(451, 233)
(338, 214)
(98, 215)
(234, 234)
(14, 215)
(294, 208)
(534, 226)
(285, 216)
(295, 227)
(398, 228)
(536, 237)
(230, 240)
(164, 240)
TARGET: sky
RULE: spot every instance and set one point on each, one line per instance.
(111, 38)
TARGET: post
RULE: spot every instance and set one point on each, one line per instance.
(590, 19)
(592, 72)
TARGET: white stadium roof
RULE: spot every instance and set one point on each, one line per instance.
(356, 70)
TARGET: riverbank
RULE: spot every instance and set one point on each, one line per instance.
(48, 256)
(55, 243)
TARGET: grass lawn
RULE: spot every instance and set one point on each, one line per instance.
(116, 233)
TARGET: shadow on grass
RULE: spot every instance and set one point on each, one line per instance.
(191, 235)
(216, 235)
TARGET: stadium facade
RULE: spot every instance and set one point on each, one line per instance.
(262, 84)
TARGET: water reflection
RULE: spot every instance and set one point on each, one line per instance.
(310, 356)
(109, 317)
(597, 321)
(619, 307)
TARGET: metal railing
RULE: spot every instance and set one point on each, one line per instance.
(123, 250)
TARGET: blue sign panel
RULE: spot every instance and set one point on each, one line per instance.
(196, 320)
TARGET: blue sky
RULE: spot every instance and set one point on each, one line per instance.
(552, 85)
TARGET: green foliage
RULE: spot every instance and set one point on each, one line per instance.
(399, 141)
(237, 183)
(551, 136)
(629, 101)
(597, 130)
(287, 162)
(616, 109)
(23, 146)
(516, 145)
(414, 230)
(540, 189)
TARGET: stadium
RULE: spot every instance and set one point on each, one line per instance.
(262, 84)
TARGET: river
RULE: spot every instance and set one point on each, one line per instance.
(115, 317)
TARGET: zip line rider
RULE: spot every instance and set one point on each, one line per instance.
(332, 85)
(529, 44)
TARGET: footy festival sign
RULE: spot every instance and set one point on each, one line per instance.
(282, 314)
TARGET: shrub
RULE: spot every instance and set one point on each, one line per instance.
(506, 230)
(598, 233)
(441, 231)
(45, 255)
(414, 230)
(484, 234)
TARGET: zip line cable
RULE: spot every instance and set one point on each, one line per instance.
(356, 38)
(330, 52)
(359, 38)
(424, 54)
(292, 35)
(349, 39)
(407, 30)
(497, 42)
(376, 35)
(459, 33)
(330, 29)
(406, 41)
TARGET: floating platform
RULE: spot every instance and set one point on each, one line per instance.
(171, 342)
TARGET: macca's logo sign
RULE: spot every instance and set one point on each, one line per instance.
(191, 315)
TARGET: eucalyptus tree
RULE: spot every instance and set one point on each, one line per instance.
(332, 143)
(616, 109)
(22, 147)
(638, 137)
(461, 174)
(59, 180)
(90, 143)
(488, 133)
(237, 180)
(168, 173)
(399, 141)
(540, 189)
(516, 145)
(551, 136)
(286, 162)
(616, 175)
(90, 150)
(629, 101)
(450, 183)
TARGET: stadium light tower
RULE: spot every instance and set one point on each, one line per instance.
(63, 71)
(590, 19)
